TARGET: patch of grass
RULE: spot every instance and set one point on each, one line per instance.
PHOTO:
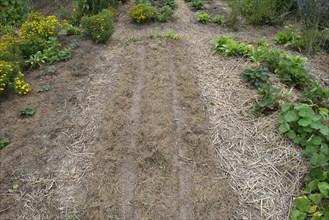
(172, 36)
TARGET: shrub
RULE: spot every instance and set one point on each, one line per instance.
(13, 12)
(10, 49)
(196, 4)
(12, 77)
(142, 12)
(99, 27)
(37, 25)
(91, 7)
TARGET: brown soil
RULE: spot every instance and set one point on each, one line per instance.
(142, 128)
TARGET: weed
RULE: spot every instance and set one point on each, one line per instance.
(290, 37)
(70, 29)
(130, 40)
(172, 36)
(4, 142)
(26, 111)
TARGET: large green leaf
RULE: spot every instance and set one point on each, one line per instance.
(306, 112)
(291, 116)
(284, 127)
(324, 130)
(285, 107)
(305, 121)
(316, 198)
(297, 215)
(318, 160)
(303, 204)
(316, 125)
(324, 189)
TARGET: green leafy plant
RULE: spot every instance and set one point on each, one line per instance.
(52, 53)
(291, 70)
(196, 4)
(44, 88)
(256, 76)
(99, 27)
(26, 111)
(4, 142)
(264, 11)
(218, 20)
(203, 17)
(52, 69)
(70, 29)
(172, 36)
(91, 7)
(317, 93)
(165, 13)
(307, 126)
(269, 100)
(291, 36)
(12, 77)
(13, 12)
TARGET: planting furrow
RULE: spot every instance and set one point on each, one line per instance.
(128, 178)
(186, 209)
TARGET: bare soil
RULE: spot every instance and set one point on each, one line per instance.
(146, 127)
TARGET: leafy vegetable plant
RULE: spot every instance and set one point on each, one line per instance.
(269, 101)
(257, 76)
(26, 111)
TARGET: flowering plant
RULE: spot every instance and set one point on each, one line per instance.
(142, 12)
(11, 76)
(99, 27)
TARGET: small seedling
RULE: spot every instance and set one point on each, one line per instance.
(4, 142)
(43, 88)
(172, 36)
(15, 186)
(52, 69)
(131, 40)
(26, 111)
(70, 217)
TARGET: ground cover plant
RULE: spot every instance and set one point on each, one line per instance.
(306, 124)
